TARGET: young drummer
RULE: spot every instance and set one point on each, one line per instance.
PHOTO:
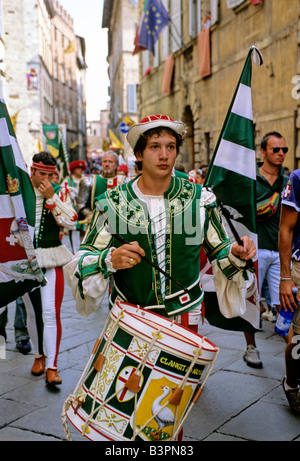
(164, 217)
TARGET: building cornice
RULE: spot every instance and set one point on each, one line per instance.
(106, 13)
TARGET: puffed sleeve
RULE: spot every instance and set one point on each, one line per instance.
(87, 273)
(63, 211)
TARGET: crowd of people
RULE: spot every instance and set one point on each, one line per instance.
(87, 201)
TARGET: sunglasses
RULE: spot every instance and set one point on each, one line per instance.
(277, 149)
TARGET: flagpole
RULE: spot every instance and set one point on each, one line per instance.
(226, 214)
(175, 28)
(238, 239)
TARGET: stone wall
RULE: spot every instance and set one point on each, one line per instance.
(204, 102)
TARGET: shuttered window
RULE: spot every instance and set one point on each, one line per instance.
(131, 96)
(233, 3)
(176, 27)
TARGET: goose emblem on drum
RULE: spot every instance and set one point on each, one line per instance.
(156, 416)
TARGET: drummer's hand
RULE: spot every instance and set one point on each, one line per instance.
(126, 256)
(245, 252)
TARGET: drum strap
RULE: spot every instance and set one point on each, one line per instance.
(185, 319)
(185, 322)
(192, 318)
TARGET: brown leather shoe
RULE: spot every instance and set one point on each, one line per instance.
(52, 376)
(38, 367)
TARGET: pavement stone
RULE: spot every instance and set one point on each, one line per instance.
(238, 403)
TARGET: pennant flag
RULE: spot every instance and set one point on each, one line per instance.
(154, 18)
(75, 144)
(115, 142)
(128, 121)
(62, 160)
(105, 145)
(57, 147)
(72, 47)
(19, 269)
(232, 176)
(40, 145)
(137, 48)
(13, 119)
(51, 133)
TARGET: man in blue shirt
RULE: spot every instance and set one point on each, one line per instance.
(289, 251)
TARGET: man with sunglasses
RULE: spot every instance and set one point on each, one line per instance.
(270, 181)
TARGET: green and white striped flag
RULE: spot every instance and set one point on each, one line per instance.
(232, 176)
(19, 269)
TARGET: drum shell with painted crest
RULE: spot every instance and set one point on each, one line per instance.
(110, 411)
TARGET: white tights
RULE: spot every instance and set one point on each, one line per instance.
(46, 300)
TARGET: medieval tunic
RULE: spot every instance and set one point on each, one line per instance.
(171, 236)
(52, 214)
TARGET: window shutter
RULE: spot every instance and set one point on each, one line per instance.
(214, 11)
(176, 40)
(233, 3)
(131, 95)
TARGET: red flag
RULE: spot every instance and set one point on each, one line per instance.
(204, 53)
(168, 74)
(137, 47)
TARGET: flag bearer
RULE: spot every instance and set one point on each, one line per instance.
(43, 305)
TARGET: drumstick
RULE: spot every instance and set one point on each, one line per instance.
(124, 241)
(226, 215)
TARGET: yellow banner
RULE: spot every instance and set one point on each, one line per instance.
(115, 142)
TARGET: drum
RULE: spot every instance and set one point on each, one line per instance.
(142, 379)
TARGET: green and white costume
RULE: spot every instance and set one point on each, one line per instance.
(171, 230)
(51, 215)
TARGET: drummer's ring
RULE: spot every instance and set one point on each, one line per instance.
(131, 260)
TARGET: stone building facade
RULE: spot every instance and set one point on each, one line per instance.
(27, 71)
(64, 54)
(120, 17)
(202, 100)
(3, 85)
(94, 140)
(42, 83)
